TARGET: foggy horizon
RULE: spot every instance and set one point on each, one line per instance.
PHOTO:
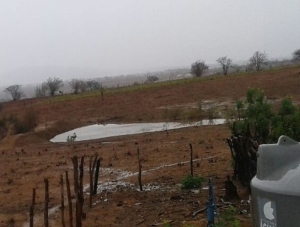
(109, 38)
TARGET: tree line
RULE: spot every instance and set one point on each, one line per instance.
(257, 61)
(53, 84)
(52, 87)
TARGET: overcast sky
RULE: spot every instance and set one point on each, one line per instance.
(109, 36)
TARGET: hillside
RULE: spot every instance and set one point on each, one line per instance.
(26, 159)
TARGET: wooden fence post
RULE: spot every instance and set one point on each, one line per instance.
(191, 162)
(46, 221)
(31, 209)
(69, 200)
(78, 187)
(62, 201)
(91, 172)
(75, 167)
(96, 177)
(80, 192)
(140, 170)
(31, 215)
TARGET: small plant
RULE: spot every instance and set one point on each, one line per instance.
(190, 182)
(228, 219)
(71, 138)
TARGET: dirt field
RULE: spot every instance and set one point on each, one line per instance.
(27, 159)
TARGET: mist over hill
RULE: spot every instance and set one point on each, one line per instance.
(111, 79)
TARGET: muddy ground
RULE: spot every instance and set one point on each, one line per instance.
(27, 159)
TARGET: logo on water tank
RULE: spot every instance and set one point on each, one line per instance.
(267, 212)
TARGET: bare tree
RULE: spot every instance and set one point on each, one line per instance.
(93, 85)
(258, 60)
(54, 84)
(225, 63)
(296, 55)
(41, 90)
(151, 79)
(14, 91)
(198, 68)
(75, 85)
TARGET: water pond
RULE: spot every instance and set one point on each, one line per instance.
(99, 131)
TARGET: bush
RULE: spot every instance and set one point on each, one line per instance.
(190, 182)
(26, 124)
(263, 122)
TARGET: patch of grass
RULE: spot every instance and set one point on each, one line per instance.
(190, 182)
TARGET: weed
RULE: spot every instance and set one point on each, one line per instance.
(228, 219)
(190, 182)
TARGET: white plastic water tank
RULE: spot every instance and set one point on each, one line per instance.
(276, 187)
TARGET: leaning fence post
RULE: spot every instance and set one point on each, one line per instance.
(46, 221)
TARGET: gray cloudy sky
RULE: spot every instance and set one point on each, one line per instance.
(115, 36)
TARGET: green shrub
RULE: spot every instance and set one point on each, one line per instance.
(190, 182)
(259, 118)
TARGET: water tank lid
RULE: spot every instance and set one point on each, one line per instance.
(278, 167)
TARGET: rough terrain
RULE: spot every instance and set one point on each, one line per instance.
(27, 159)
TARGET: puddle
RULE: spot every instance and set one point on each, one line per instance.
(110, 130)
